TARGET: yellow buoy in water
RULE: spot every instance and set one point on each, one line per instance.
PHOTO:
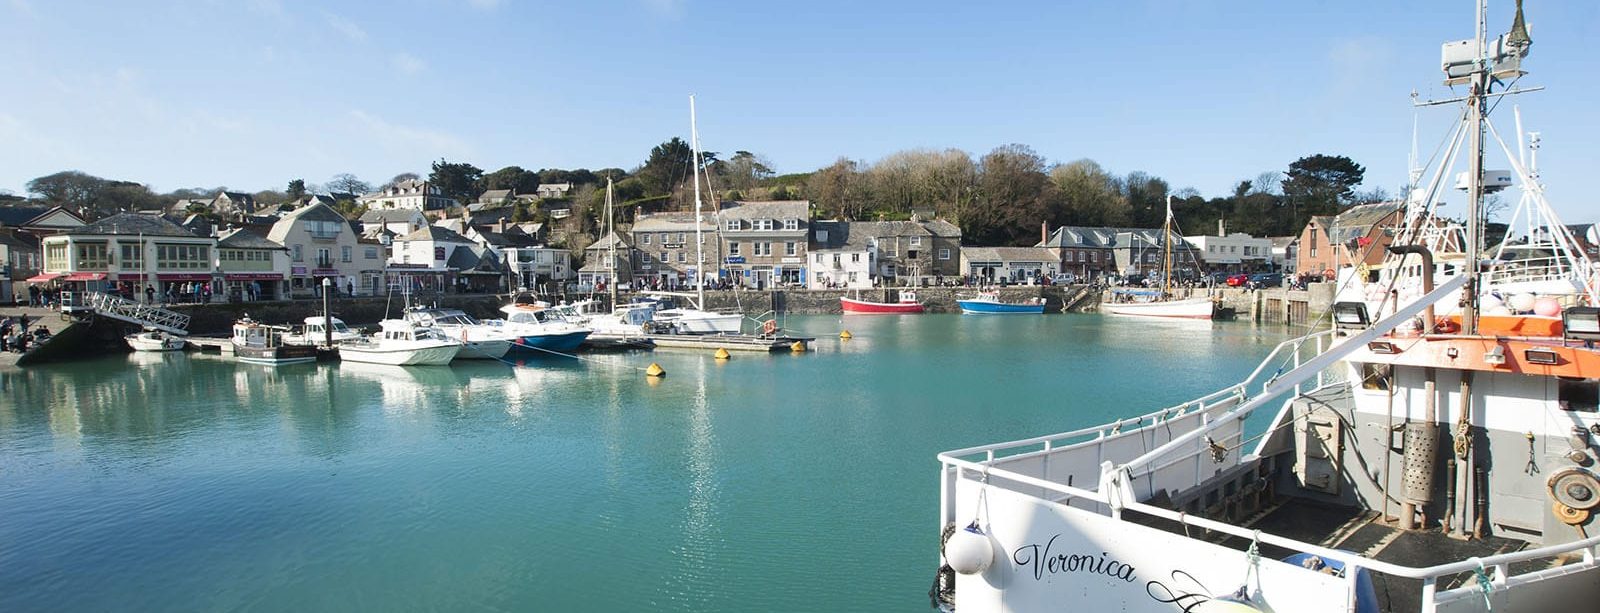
(655, 371)
(798, 347)
(722, 354)
(845, 335)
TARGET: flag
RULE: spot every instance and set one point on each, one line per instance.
(1364, 241)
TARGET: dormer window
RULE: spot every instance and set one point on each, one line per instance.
(733, 225)
(791, 224)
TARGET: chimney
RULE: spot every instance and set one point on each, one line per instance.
(1221, 229)
(1044, 232)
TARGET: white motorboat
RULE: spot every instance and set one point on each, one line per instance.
(692, 319)
(156, 340)
(402, 343)
(480, 340)
(541, 329)
(1371, 489)
(315, 332)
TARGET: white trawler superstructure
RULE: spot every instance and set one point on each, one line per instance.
(1409, 466)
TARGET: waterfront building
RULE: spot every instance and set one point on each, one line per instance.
(1139, 252)
(126, 252)
(1360, 235)
(251, 266)
(20, 230)
(322, 244)
(1237, 252)
(842, 254)
(1022, 265)
(664, 243)
(765, 242)
(597, 261)
(409, 194)
(1088, 252)
(437, 259)
(399, 222)
(1285, 253)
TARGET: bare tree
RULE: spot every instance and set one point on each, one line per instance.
(348, 183)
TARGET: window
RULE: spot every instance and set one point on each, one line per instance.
(323, 230)
(822, 236)
(183, 257)
(818, 258)
(1094, 256)
(852, 276)
(55, 257)
(92, 256)
(761, 249)
(682, 257)
(855, 257)
(1579, 395)
(372, 253)
(835, 259)
(324, 257)
(791, 224)
(944, 254)
(646, 237)
(1313, 252)
(790, 248)
(298, 256)
(345, 253)
(681, 238)
(733, 248)
(761, 224)
(916, 241)
(732, 225)
(132, 256)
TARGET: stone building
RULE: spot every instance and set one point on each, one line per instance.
(765, 242)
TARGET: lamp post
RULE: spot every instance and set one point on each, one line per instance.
(327, 319)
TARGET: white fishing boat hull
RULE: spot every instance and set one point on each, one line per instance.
(691, 321)
(437, 354)
(1191, 308)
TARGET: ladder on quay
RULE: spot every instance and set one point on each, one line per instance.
(144, 315)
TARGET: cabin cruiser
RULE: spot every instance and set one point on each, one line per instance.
(400, 342)
(314, 331)
(692, 319)
(541, 329)
(258, 343)
(480, 340)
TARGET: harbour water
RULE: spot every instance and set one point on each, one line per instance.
(767, 483)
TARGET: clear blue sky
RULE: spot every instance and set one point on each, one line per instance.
(252, 93)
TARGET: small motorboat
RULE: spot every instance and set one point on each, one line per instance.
(481, 340)
(541, 329)
(315, 332)
(400, 342)
(907, 304)
(990, 303)
(156, 340)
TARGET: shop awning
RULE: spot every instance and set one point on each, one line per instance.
(254, 276)
(184, 276)
(86, 276)
(44, 277)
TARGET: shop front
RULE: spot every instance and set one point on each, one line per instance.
(253, 286)
(184, 287)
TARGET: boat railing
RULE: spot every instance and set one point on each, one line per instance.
(1532, 269)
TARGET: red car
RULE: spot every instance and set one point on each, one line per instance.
(1238, 280)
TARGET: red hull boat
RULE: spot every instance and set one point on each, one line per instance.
(908, 304)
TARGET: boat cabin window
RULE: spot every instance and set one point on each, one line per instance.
(1582, 395)
(1376, 376)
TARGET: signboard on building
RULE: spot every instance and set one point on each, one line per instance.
(735, 259)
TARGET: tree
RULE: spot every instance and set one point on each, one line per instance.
(349, 208)
(667, 166)
(297, 189)
(1320, 185)
(457, 180)
(1013, 196)
(72, 189)
(346, 183)
(513, 178)
(838, 189)
(1090, 196)
(401, 178)
(1147, 199)
(743, 171)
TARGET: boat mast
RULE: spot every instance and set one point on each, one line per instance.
(611, 232)
(699, 247)
(1166, 250)
(1477, 96)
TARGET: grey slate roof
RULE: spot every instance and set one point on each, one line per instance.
(673, 222)
(605, 242)
(774, 209)
(1008, 254)
(942, 228)
(246, 238)
(132, 223)
(389, 215)
(842, 235)
(18, 215)
(436, 233)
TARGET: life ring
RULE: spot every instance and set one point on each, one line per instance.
(769, 327)
(1445, 325)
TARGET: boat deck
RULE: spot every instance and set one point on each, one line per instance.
(1364, 532)
(731, 342)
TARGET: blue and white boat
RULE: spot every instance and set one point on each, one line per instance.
(540, 329)
(987, 303)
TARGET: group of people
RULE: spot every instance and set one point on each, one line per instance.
(15, 336)
(43, 296)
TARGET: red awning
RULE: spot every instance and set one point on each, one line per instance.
(44, 277)
(86, 276)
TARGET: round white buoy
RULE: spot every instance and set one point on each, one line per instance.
(1521, 302)
(969, 551)
(1498, 309)
(1546, 307)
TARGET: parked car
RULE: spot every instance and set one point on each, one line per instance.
(1266, 279)
(1063, 278)
(1238, 280)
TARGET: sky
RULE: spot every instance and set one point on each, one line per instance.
(253, 93)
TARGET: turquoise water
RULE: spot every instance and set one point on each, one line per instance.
(766, 483)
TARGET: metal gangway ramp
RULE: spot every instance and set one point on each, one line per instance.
(144, 315)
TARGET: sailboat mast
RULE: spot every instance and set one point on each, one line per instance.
(1166, 250)
(699, 246)
(611, 231)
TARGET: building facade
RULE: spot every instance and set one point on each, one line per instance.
(597, 262)
(251, 267)
(409, 194)
(127, 253)
(1020, 265)
(1237, 252)
(322, 244)
(765, 242)
(1360, 235)
(666, 251)
(841, 255)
